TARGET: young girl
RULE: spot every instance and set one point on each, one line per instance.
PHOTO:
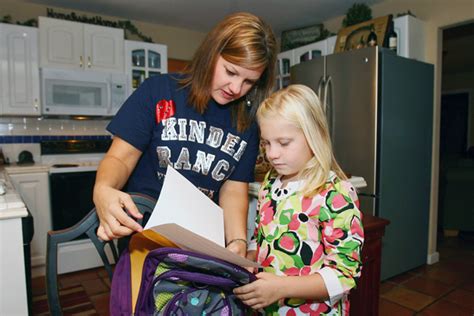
(309, 233)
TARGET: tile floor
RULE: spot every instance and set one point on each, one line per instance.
(445, 288)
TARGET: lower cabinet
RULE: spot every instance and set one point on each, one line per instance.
(364, 300)
(34, 190)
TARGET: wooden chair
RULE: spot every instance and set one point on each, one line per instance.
(88, 225)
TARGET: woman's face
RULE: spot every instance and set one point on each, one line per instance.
(231, 82)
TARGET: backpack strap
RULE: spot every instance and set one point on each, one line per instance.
(140, 245)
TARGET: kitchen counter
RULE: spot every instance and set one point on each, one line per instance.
(13, 294)
(11, 204)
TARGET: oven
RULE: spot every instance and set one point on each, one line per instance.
(72, 171)
(71, 197)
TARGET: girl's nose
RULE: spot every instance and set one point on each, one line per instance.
(271, 152)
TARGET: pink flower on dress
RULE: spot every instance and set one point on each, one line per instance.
(330, 233)
(298, 271)
(339, 202)
(318, 254)
(287, 242)
(268, 261)
(314, 309)
(295, 223)
(266, 213)
(356, 229)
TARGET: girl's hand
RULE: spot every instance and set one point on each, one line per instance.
(112, 207)
(268, 288)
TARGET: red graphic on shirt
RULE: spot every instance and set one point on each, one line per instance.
(164, 109)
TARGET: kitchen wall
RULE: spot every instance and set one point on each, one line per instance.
(181, 46)
(438, 14)
(182, 43)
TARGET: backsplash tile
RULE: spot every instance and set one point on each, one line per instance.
(34, 127)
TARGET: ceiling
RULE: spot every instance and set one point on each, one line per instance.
(201, 15)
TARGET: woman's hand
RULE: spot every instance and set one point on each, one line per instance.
(262, 292)
(238, 246)
(112, 207)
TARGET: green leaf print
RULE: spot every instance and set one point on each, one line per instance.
(269, 238)
(285, 217)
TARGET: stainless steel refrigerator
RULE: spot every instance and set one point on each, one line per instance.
(380, 112)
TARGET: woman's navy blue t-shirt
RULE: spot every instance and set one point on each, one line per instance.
(205, 148)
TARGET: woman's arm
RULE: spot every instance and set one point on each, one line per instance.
(233, 198)
(110, 202)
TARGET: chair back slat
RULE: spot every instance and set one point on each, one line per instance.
(88, 225)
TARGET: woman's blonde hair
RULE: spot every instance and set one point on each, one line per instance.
(244, 40)
(299, 105)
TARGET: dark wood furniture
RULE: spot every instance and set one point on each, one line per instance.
(364, 300)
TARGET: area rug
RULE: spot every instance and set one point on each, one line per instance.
(73, 300)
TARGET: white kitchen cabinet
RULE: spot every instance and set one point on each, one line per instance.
(143, 60)
(284, 61)
(19, 72)
(73, 45)
(410, 37)
(34, 190)
(301, 54)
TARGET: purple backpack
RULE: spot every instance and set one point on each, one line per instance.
(179, 282)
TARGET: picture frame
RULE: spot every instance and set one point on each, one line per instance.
(350, 37)
(299, 37)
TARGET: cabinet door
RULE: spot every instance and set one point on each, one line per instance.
(284, 61)
(104, 48)
(144, 60)
(34, 190)
(19, 70)
(310, 51)
(61, 43)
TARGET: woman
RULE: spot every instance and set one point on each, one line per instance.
(201, 122)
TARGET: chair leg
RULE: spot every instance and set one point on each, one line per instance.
(52, 276)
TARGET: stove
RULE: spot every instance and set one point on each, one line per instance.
(72, 166)
(73, 155)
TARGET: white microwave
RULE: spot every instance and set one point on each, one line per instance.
(79, 92)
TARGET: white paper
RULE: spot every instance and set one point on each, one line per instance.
(182, 203)
(191, 220)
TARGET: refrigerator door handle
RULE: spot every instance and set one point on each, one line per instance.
(327, 106)
(321, 84)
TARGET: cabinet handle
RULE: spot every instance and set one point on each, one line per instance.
(80, 61)
(36, 104)
(89, 61)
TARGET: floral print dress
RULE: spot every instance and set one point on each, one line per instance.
(298, 236)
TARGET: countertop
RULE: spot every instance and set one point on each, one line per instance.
(11, 204)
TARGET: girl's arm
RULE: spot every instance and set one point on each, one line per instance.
(233, 198)
(270, 288)
(112, 174)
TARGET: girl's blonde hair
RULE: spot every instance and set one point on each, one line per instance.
(244, 40)
(299, 105)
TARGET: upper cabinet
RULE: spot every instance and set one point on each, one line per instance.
(143, 60)
(66, 44)
(301, 54)
(284, 61)
(410, 37)
(19, 74)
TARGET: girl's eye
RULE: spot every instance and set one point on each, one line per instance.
(284, 144)
(229, 72)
